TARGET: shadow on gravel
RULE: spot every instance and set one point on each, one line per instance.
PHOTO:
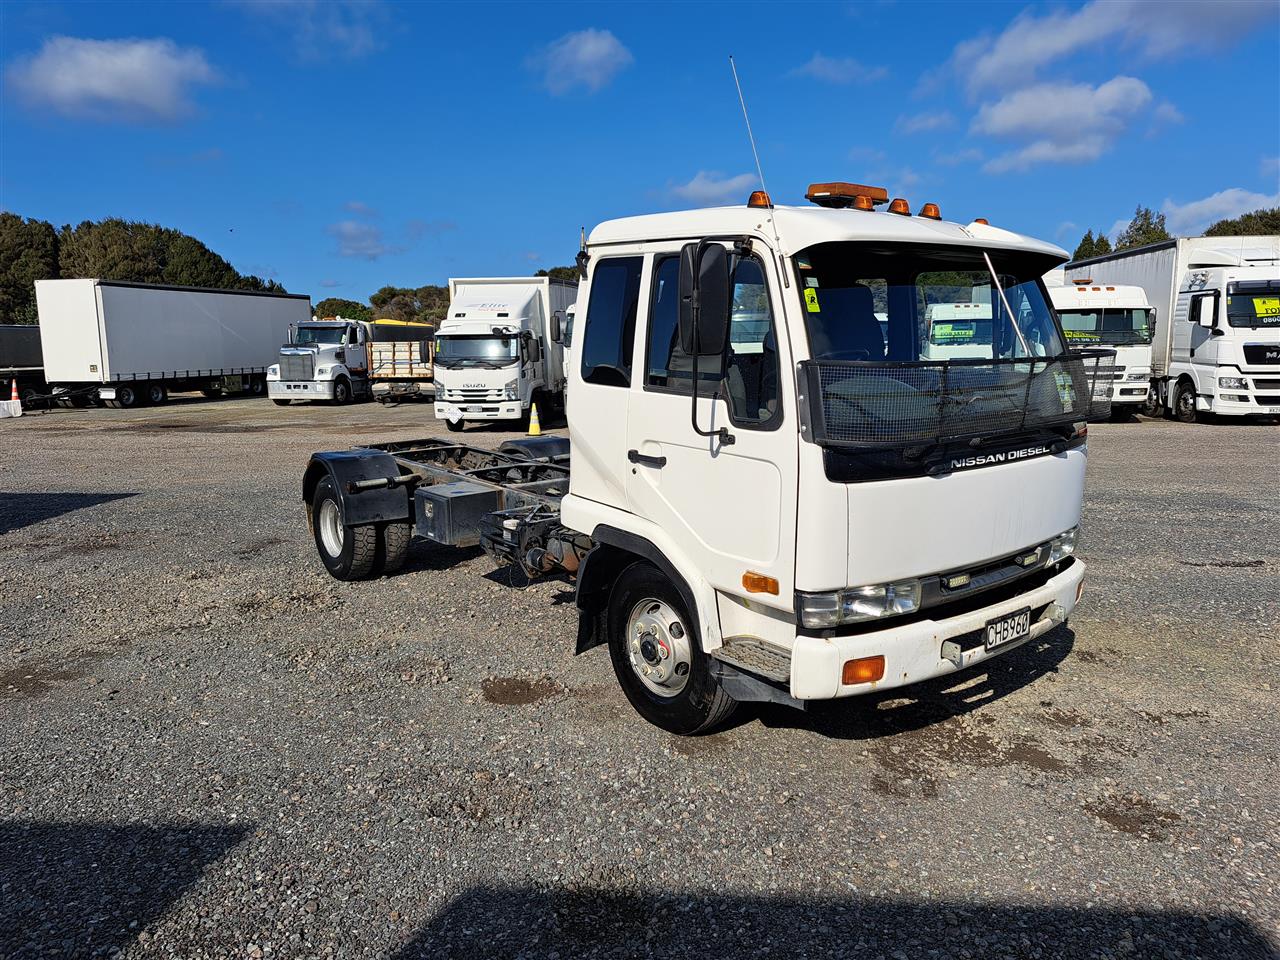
(89, 889)
(18, 510)
(929, 702)
(529, 922)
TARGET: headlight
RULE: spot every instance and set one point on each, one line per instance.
(512, 389)
(1232, 383)
(1138, 376)
(273, 370)
(321, 371)
(857, 604)
(1063, 545)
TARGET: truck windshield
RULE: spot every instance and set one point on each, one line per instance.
(476, 351)
(909, 303)
(1253, 303)
(1109, 326)
(320, 334)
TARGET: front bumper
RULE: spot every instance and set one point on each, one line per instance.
(926, 648)
(300, 389)
(1252, 404)
(507, 410)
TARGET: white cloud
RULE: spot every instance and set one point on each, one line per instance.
(840, 70)
(1190, 219)
(1064, 123)
(710, 189)
(360, 209)
(588, 58)
(112, 80)
(925, 122)
(1269, 166)
(1157, 29)
(1117, 228)
(325, 29)
(330, 284)
(1065, 227)
(360, 241)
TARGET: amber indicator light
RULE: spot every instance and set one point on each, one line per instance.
(754, 582)
(863, 670)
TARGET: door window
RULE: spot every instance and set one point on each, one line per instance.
(751, 365)
(610, 330)
(667, 367)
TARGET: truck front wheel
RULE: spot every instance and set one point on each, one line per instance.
(658, 657)
(1184, 401)
(341, 391)
(348, 553)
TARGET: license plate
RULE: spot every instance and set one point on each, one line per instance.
(1273, 409)
(1013, 626)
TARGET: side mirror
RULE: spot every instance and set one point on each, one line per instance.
(555, 328)
(1207, 312)
(704, 278)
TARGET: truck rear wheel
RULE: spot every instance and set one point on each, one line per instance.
(348, 553)
(657, 655)
(395, 545)
(280, 401)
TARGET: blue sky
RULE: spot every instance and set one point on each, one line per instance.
(338, 146)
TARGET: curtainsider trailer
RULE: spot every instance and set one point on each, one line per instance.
(20, 361)
(136, 342)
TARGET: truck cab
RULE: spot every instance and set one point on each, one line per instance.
(1116, 316)
(323, 360)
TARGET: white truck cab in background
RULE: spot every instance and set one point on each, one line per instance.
(498, 350)
(1115, 316)
(1216, 347)
(323, 360)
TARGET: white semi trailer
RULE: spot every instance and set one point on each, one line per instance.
(763, 496)
(498, 351)
(133, 343)
(1216, 347)
(1116, 316)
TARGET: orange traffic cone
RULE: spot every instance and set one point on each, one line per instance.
(13, 407)
(13, 397)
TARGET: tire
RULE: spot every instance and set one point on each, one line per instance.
(455, 427)
(157, 393)
(280, 401)
(395, 538)
(1184, 402)
(257, 387)
(348, 553)
(127, 395)
(341, 392)
(644, 600)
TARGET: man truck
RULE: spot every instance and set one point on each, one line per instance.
(1116, 316)
(338, 360)
(133, 343)
(1216, 348)
(798, 509)
(498, 350)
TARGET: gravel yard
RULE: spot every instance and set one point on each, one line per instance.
(210, 748)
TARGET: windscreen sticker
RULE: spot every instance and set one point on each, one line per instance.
(1266, 306)
(810, 281)
(949, 332)
(811, 300)
(803, 263)
(1087, 335)
(1066, 390)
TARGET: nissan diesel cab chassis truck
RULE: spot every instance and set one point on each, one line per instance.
(768, 498)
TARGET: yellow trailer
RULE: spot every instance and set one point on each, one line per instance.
(401, 359)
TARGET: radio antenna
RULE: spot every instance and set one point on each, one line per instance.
(759, 169)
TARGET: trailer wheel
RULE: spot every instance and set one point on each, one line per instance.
(657, 657)
(395, 545)
(257, 386)
(348, 553)
(157, 393)
(126, 396)
(1184, 401)
(280, 401)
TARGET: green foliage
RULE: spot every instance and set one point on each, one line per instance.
(1092, 246)
(338, 307)
(427, 304)
(1255, 224)
(1147, 226)
(570, 274)
(28, 252)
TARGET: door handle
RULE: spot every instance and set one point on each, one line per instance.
(635, 456)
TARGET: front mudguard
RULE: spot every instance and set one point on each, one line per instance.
(368, 506)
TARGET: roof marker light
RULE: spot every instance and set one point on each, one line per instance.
(981, 220)
(863, 203)
(931, 211)
(759, 198)
(900, 206)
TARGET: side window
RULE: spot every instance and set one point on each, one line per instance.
(667, 367)
(611, 322)
(751, 368)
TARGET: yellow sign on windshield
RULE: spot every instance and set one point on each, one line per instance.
(1266, 306)
(952, 331)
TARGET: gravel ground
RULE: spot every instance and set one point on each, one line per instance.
(209, 748)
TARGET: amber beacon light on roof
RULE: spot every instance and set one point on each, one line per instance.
(841, 196)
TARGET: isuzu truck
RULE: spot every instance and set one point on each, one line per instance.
(498, 349)
(132, 343)
(764, 497)
(1116, 316)
(1216, 347)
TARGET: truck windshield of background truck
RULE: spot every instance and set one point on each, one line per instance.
(1110, 326)
(320, 335)
(1253, 303)
(476, 351)
(846, 285)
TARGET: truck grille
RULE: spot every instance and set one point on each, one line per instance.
(1261, 353)
(297, 366)
(1263, 383)
(473, 396)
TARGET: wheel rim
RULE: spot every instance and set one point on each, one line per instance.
(1186, 402)
(658, 647)
(126, 396)
(340, 392)
(156, 394)
(331, 530)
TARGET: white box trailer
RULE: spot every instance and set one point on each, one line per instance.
(1216, 347)
(137, 341)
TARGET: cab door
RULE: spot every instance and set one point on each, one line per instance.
(730, 508)
(357, 350)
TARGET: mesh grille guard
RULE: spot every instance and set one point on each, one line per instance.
(877, 404)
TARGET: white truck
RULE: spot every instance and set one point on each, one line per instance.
(132, 343)
(1116, 316)
(797, 509)
(498, 350)
(1216, 347)
(338, 360)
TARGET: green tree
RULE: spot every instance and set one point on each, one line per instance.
(1255, 224)
(561, 273)
(1092, 246)
(426, 304)
(1147, 226)
(28, 252)
(338, 307)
